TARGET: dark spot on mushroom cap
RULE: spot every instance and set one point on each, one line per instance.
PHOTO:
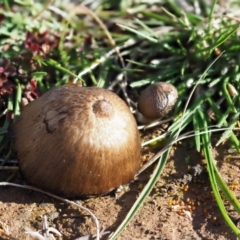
(77, 141)
(157, 100)
(103, 108)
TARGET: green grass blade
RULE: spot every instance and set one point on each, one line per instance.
(222, 38)
(144, 194)
(139, 33)
(227, 192)
(18, 99)
(221, 118)
(57, 65)
(212, 174)
(197, 130)
(229, 133)
(211, 14)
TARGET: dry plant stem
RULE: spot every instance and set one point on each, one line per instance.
(46, 6)
(9, 161)
(233, 157)
(233, 18)
(58, 11)
(59, 198)
(155, 139)
(102, 25)
(83, 9)
(94, 65)
(128, 43)
(123, 83)
(9, 168)
(155, 123)
(181, 137)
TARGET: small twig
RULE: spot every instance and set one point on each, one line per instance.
(59, 198)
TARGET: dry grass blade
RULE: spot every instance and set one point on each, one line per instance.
(123, 81)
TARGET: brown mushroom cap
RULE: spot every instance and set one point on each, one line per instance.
(157, 100)
(77, 141)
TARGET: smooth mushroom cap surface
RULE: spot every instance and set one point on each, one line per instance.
(157, 100)
(77, 141)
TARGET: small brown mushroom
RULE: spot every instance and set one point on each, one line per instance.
(77, 141)
(156, 101)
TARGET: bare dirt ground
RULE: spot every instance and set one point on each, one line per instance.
(181, 206)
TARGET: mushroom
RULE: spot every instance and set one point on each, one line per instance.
(156, 101)
(77, 141)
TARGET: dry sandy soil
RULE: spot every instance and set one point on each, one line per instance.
(181, 205)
